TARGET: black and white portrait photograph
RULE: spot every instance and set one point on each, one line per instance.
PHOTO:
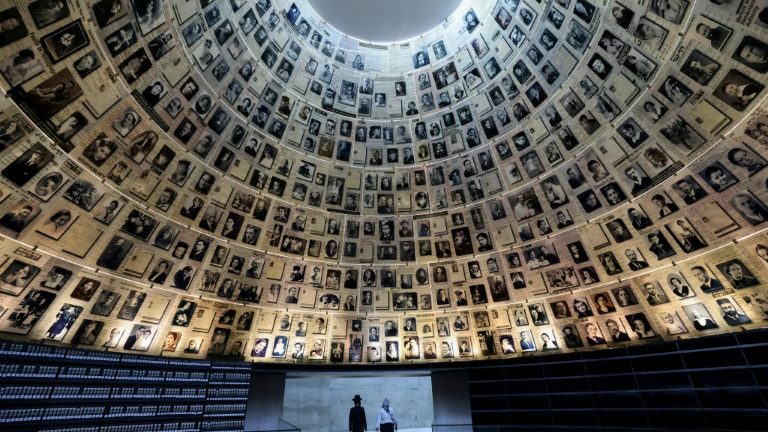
(46, 12)
(100, 149)
(108, 11)
(601, 67)
(527, 16)
(87, 64)
(671, 10)
(685, 235)
(737, 90)
(55, 224)
(52, 95)
(650, 33)
(536, 94)
(633, 133)
(718, 177)
(114, 253)
(699, 67)
(23, 317)
(438, 48)
(745, 160)
(139, 225)
(161, 45)
(139, 338)
(503, 17)
(65, 41)
(639, 65)
(21, 66)
(752, 53)
(750, 208)
(675, 91)
(17, 276)
(738, 274)
(88, 332)
(421, 59)
(682, 134)
(584, 10)
(149, 14)
(19, 216)
(56, 278)
(193, 31)
(13, 27)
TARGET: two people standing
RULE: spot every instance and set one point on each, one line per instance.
(385, 420)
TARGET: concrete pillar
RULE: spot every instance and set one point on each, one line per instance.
(450, 400)
(265, 401)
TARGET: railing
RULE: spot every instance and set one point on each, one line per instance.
(552, 428)
(282, 426)
(453, 428)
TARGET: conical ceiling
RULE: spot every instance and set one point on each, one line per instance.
(241, 179)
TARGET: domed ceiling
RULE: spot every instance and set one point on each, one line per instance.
(241, 179)
(382, 22)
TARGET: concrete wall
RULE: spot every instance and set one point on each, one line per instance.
(321, 404)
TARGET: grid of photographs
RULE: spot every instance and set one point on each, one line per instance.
(252, 183)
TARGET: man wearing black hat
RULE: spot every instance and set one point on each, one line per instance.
(357, 421)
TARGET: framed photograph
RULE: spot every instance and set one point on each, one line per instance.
(682, 134)
(17, 276)
(66, 316)
(47, 12)
(751, 52)
(19, 217)
(56, 278)
(109, 210)
(108, 11)
(140, 338)
(57, 223)
(21, 66)
(675, 91)
(624, 296)
(162, 45)
(737, 90)
(699, 67)
(100, 149)
(650, 33)
(28, 312)
(711, 32)
(86, 64)
(139, 225)
(738, 274)
(88, 332)
(672, 11)
(600, 66)
(718, 177)
(750, 208)
(85, 289)
(106, 302)
(149, 14)
(125, 123)
(699, 315)
(65, 41)
(135, 65)
(685, 235)
(28, 165)
(10, 32)
(50, 96)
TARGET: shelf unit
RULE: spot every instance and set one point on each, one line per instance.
(715, 383)
(56, 389)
